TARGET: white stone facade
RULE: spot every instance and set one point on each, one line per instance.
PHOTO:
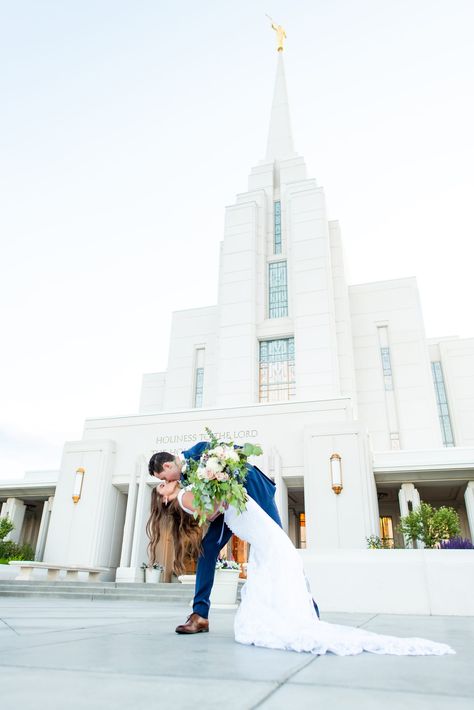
(363, 389)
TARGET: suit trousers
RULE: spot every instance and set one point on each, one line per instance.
(212, 543)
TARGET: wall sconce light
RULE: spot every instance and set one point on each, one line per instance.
(79, 480)
(336, 473)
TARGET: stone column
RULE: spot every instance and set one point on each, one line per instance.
(138, 552)
(128, 527)
(406, 495)
(43, 531)
(15, 509)
(292, 529)
(469, 499)
(281, 495)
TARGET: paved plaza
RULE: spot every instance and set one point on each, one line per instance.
(57, 653)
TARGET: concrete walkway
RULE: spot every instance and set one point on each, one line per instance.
(62, 653)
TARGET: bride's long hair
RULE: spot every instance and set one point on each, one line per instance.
(185, 532)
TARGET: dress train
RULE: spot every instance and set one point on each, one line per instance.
(277, 610)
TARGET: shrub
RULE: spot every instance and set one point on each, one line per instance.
(6, 526)
(24, 552)
(10, 550)
(430, 525)
(7, 548)
(456, 543)
(374, 542)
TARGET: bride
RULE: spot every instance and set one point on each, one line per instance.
(277, 608)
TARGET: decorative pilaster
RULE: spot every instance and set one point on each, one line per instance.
(469, 499)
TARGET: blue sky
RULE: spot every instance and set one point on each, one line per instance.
(125, 129)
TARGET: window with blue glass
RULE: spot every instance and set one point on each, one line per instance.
(277, 227)
(277, 290)
(199, 377)
(387, 368)
(442, 402)
(277, 370)
(199, 387)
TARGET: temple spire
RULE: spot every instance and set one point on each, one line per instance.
(280, 138)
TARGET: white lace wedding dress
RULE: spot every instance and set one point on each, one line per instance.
(277, 608)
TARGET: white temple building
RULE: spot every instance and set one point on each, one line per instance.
(360, 416)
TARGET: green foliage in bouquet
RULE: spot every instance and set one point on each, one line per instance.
(218, 477)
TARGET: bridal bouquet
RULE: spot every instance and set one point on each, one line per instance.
(218, 476)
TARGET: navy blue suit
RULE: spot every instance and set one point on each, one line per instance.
(262, 490)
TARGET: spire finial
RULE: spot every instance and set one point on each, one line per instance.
(280, 34)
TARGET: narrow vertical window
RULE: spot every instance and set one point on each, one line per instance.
(199, 378)
(390, 403)
(277, 227)
(277, 290)
(442, 402)
(387, 368)
(277, 370)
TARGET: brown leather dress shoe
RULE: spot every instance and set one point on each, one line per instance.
(195, 624)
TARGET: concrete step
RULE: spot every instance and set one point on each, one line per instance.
(161, 592)
(98, 587)
(95, 593)
(88, 596)
(166, 593)
(98, 592)
(88, 585)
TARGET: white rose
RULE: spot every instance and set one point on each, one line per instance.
(219, 452)
(231, 454)
(212, 464)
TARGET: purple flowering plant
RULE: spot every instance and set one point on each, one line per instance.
(456, 543)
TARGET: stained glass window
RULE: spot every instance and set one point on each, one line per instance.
(277, 227)
(199, 387)
(199, 378)
(442, 402)
(277, 370)
(277, 290)
(387, 368)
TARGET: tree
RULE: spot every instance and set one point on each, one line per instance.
(430, 525)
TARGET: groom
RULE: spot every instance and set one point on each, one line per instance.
(167, 467)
